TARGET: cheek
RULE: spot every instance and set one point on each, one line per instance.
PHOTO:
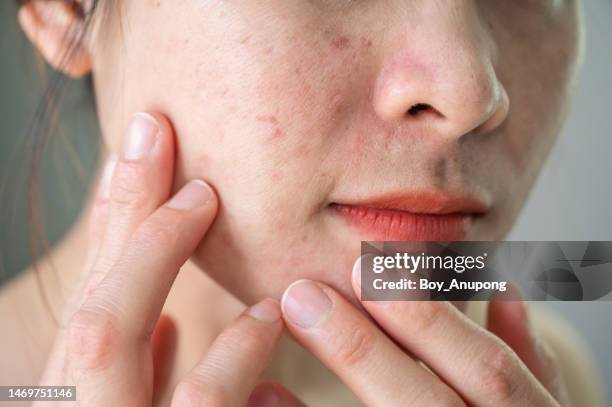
(540, 79)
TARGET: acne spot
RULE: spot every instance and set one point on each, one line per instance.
(275, 176)
(341, 42)
(298, 71)
(267, 119)
(365, 42)
(302, 151)
(276, 135)
(268, 50)
(245, 39)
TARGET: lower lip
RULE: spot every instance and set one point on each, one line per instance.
(390, 224)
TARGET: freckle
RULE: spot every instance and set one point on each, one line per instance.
(298, 71)
(267, 119)
(341, 42)
(245, 39)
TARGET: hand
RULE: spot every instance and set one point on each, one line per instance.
(139, 238)
(376, 358)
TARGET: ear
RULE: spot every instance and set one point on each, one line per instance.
(53, 26)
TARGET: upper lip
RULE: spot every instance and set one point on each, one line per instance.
(423, 202)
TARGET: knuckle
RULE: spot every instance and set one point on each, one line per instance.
(128, 187)
(355, 346)
(93, 338)
(423, 315)
(497, 373)
(189, 393)
(161, 234)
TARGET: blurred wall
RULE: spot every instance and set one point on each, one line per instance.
(571, 200)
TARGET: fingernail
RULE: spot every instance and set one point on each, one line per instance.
(193, 195)
(305, 304)
(141, 136)
(267, 310)
(107, 176)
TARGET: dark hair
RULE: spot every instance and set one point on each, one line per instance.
(41, 127)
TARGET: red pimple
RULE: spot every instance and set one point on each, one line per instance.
(277, 134)
(341, 42)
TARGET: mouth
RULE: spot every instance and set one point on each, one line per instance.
(423, 216)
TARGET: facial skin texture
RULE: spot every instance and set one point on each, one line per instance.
(286, 106)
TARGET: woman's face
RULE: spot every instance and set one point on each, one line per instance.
(322, 123)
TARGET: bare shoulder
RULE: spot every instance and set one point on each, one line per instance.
(28, 330)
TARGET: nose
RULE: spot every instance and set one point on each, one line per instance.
(441, 73)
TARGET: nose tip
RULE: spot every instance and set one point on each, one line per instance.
(453, 107)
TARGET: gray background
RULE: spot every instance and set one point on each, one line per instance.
(571, 200)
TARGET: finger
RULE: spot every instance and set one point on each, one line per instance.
(273, 394)
(136, 287)
(483, 369)
(163, 347)
(98, 216)
(235, 361)
(141, 182)
(109, 336)
(507, 318)
(97, 220)
(362, 356)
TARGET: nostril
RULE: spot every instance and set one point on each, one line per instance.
(419, 108)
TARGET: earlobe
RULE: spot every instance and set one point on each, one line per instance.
(54, 27)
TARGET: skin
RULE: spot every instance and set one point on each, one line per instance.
(267, 87)
(263, 107)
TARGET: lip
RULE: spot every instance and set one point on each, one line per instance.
(422, 216)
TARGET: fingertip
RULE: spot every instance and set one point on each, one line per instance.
(194, 194)
(267, 310)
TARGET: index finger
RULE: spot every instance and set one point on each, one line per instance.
(363, 357)
(230, 370)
